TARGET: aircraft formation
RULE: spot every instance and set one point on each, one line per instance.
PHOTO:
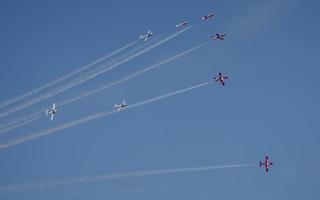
(220, 79)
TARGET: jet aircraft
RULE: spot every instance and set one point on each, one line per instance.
(52, 111)
(146, 36)
(120, 106)
(267, 163)
(220, 78)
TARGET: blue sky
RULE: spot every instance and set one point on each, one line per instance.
(269, 105)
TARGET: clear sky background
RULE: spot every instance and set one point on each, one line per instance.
(270, 104)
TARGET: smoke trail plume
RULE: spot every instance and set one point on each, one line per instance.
(106, 177)
(89, 77)
(21, 120)
(34, 91)
(27, 119)
(93, 117)
(25, 122)
(109, 85)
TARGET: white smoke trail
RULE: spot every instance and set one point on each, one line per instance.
(95, 116)
(168, 95)
(109, 85)
(106, 177)
(22, 123)
(64, 77)
(145, 44)
(89, 77)
(21, 120)
(117, 59)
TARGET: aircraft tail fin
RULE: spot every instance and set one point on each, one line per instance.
(260, 163)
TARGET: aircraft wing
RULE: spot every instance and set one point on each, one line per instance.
(53, 106)
(143, 36)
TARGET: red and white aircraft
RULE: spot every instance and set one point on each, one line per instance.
(146, 36)
(220, 78)
(52, 111)
(219, 36)
(207, 16)
(182, 24)
(266, 163)
(120, 106)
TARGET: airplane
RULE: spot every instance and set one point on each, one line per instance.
(207, 16)
(146, 36)
(52, 111)
(220, 78)
(266, 163)
(120, 106)
(182, 24)
(219, 36)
